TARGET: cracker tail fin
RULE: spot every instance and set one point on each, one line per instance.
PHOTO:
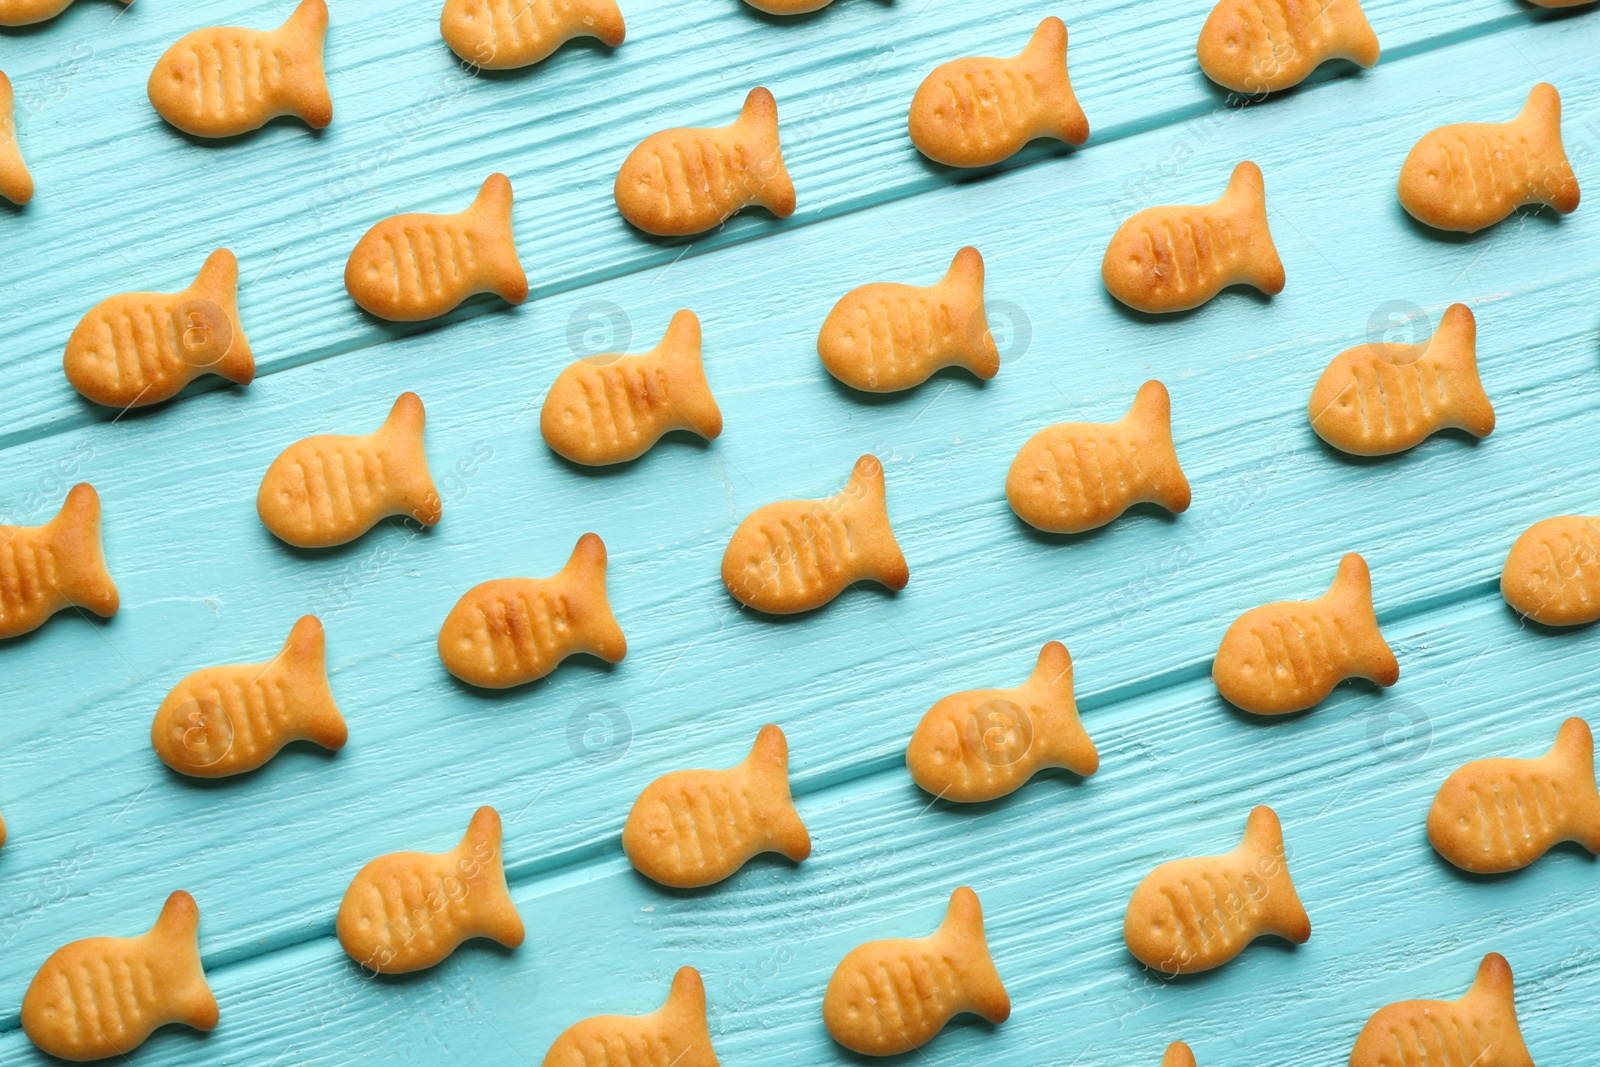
(481, 867)
(75, 536)
(177, 932)
(1263, 840)
(1357, 41)
(1246, 199)
(585, 572)
(1456, 342)
(1046, 57)
(686, 1002)
(492, 207)
(1178, 1055)
(867, 495)
(603, 20)
(1062, 736)
(1574, 751)
(1370, 657)
(689, 391)
(16, 183)
(1494, 988)
(758, 127)
(980, 982)
(1555, 184)
(218, 281)
(769, 762)
(1151, 417)
(402, 442)
(963, 281)
(309, 26)
(305, 656)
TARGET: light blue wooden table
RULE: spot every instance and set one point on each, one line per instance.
(101, 831)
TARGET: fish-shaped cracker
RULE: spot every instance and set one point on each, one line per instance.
(1192, 915)
(978, 111)
(1496, 815)
(674, 1035)
(797, 555)
(685, 181)
(16, 184)
(504, 34)
(612, 408)
(1177, 257)
(885, 336)
(1262, 46)
(1376, 399)
(511, 631)
(417, 266)
(222, 81)
(1552, 573)
(409, 910)
(45, 569)
(27, 12)
(136, 349)
(985, 743)
(1178, 1055)
(1288, 656)
(889, 997)
(1478, 1030)
(226, 720)
(103, 996)
(1473, 174)
(695, 828)
(1076, 476)
(331, 488)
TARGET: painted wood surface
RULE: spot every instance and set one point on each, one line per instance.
(101, 831)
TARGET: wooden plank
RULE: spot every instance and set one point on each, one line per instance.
(1054, 865)
(1142, 604)
(127, 203)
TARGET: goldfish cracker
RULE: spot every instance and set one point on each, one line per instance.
(504, 34)
(1288, 656)
(980, 111)
(985, 743)
(220, 721)
(103, 996)
(1377, 399)
(330, 489)
(16, 184)
(1552, 573)
(512, 631)
(1076, 476)
(869, 1009)
(45, 569)
(137, 349)
(27, 12)
(695, 828)
(681, 182)
(1498, 815)
(1192, 915)
(407, 911)
(884, 336)
(224, 81)
(413, 267)
(1262, 46)
(1473, 174)
(1177, 257)
(674, 1035)
(613, 408)
(1478, 1030)
(796, 555)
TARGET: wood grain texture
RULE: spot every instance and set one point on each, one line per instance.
(100, 831)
